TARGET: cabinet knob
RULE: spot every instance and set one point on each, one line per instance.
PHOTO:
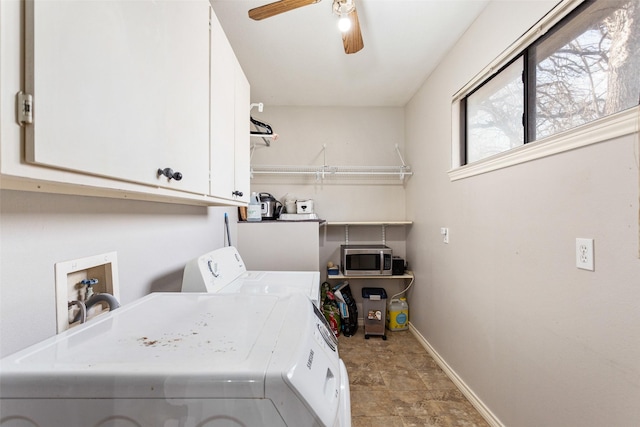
(237, 193)
(169, 173)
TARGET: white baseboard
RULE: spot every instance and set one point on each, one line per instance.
(464, 389)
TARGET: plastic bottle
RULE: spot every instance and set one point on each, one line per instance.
(254, 213)
(398, 315)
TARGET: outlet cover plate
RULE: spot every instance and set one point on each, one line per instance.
(444, 231)
(584, 254)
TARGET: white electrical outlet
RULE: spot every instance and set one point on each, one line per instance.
(445, 234)
(584, 254)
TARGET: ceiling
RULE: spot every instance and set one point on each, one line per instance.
(297, 58)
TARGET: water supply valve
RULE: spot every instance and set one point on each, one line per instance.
(89, 283)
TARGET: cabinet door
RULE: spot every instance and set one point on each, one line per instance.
(230, 95)
(222, 112)
(120, 89)
(242, 138)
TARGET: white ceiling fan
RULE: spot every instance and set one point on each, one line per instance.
(346, 9)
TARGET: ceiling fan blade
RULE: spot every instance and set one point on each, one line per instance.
(278, 7)
(352, 39)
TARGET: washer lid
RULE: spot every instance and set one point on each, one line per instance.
(278, 283)
(165, 345)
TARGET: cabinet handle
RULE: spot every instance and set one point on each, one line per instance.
(237, 193)
(169, 173)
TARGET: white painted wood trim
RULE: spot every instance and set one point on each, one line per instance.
(486, 413)
(623, 123)
(562, 9)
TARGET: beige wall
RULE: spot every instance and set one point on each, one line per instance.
(540, 342)
(353, 137)
(153, 241)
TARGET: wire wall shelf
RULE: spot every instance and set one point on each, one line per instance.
(323, 172)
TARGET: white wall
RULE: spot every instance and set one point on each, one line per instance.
(540, 342)
(153, 241)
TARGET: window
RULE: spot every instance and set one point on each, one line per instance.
(584, 68)
(494, 114)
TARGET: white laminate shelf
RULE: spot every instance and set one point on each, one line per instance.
(376, 223)
(406, 275)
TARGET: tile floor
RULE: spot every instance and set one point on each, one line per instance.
(396, 383)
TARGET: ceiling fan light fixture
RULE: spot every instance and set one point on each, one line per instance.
(348, 23)
(344, 23)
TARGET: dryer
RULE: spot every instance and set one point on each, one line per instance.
(223, 271)
(184, 359)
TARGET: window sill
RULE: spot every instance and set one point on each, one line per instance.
(623, 123)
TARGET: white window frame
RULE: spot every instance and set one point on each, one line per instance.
(616, 125)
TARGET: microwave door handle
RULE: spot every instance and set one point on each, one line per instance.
(381, 262)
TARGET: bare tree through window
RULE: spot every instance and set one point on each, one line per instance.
(594, 73)
(585, 68)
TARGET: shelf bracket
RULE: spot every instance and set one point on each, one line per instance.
(384, 234)
(260, 106)
(403, 168)
(400, 155)
(324, 159)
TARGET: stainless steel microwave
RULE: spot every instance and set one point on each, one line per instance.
(366, 260)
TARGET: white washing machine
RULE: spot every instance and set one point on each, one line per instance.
(223, 270)
(183, 359)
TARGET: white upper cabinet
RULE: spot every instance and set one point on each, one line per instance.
(120, 89)
(230, 98)
(242, 158)
(222, 112)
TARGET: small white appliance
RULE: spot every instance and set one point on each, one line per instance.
(184, 359)
(223, 270)
(304, 206)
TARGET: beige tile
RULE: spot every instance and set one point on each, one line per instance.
(370, 403)
(430, 421)
(421, 360)
(413, 403)
(402, 379)
(396, 383)
(365, 380)
(459, 414)
(436, 379)
(377, 422)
